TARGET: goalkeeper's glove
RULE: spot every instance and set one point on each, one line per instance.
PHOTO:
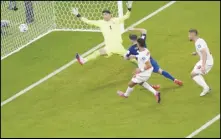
(75, 12)
(129, 5)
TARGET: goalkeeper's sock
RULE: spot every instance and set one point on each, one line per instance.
(129, 90)
(150, 88)
(92, 56)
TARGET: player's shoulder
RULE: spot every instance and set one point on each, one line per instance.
(200, 43)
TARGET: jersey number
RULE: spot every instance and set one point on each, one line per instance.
(110, 27)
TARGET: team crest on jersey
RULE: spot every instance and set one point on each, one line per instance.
(199, 46)
(143, 58)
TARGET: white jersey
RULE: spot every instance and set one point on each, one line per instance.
(200, 44)
(142, 58)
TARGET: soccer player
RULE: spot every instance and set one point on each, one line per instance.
(204, 65)
(142, 73)
(110, 28)
(156, 68)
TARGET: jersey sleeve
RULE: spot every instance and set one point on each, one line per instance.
(126, 16)
(91, 22)
(143, 36)
(201, 45)
(129, 51)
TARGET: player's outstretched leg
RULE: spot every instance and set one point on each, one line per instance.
(148, 87)
(169, 76)
(156, 87)
(92, 56)
(80, 59)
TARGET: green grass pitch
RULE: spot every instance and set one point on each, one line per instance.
(81, 101)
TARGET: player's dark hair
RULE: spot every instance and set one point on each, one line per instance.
(106, 11)
(193, 31)
(141, 42)
(133, 37)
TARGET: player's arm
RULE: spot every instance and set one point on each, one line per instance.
(141, 30)
(90, 22)
(132, 57)
(127, 15)
(204, 57)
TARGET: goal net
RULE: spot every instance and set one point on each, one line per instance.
(43, 17)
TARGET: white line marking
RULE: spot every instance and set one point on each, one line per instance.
(85, 54)
(204, 126)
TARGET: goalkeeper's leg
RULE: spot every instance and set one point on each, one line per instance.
(94, 55)
(120, 50)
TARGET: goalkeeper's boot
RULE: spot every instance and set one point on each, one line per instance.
(178, 82)
(120, 93)
(80, 59)
(158, 97)
(156, 87)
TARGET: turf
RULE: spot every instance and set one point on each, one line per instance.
(82, 101)
(211, 132)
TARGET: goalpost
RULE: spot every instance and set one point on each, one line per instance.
(43, 17)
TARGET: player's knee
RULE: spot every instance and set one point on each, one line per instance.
(160, 71)
(131, 84)
(141, 83)
(193, 74)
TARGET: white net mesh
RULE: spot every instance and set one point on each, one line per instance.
(43, 17)
(37, 15)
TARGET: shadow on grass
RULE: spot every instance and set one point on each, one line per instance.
(111, 84)
(166, 89)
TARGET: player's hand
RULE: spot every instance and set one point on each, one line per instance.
(75, 11)
(203, 69)
(132, 56)
(194, 53)
(129, 5)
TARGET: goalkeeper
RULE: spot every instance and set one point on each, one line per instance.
(110, 28)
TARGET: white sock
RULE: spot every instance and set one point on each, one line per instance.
(129, 90)
(200, 81)
(150, 88)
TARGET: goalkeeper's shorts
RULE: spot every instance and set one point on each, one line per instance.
(116, 49)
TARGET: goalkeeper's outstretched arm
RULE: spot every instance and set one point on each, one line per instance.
(127, 15)
(90, 22)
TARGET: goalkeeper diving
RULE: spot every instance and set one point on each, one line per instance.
(110, 28)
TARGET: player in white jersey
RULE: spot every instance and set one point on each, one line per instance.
(142, 73)
(204, 65)
(110, 28)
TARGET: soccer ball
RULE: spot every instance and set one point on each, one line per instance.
(23, 27)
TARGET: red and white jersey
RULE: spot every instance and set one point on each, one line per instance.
(142, 58)
(201, 44)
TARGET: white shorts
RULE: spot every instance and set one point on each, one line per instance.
(140, 78)
(197, 68)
